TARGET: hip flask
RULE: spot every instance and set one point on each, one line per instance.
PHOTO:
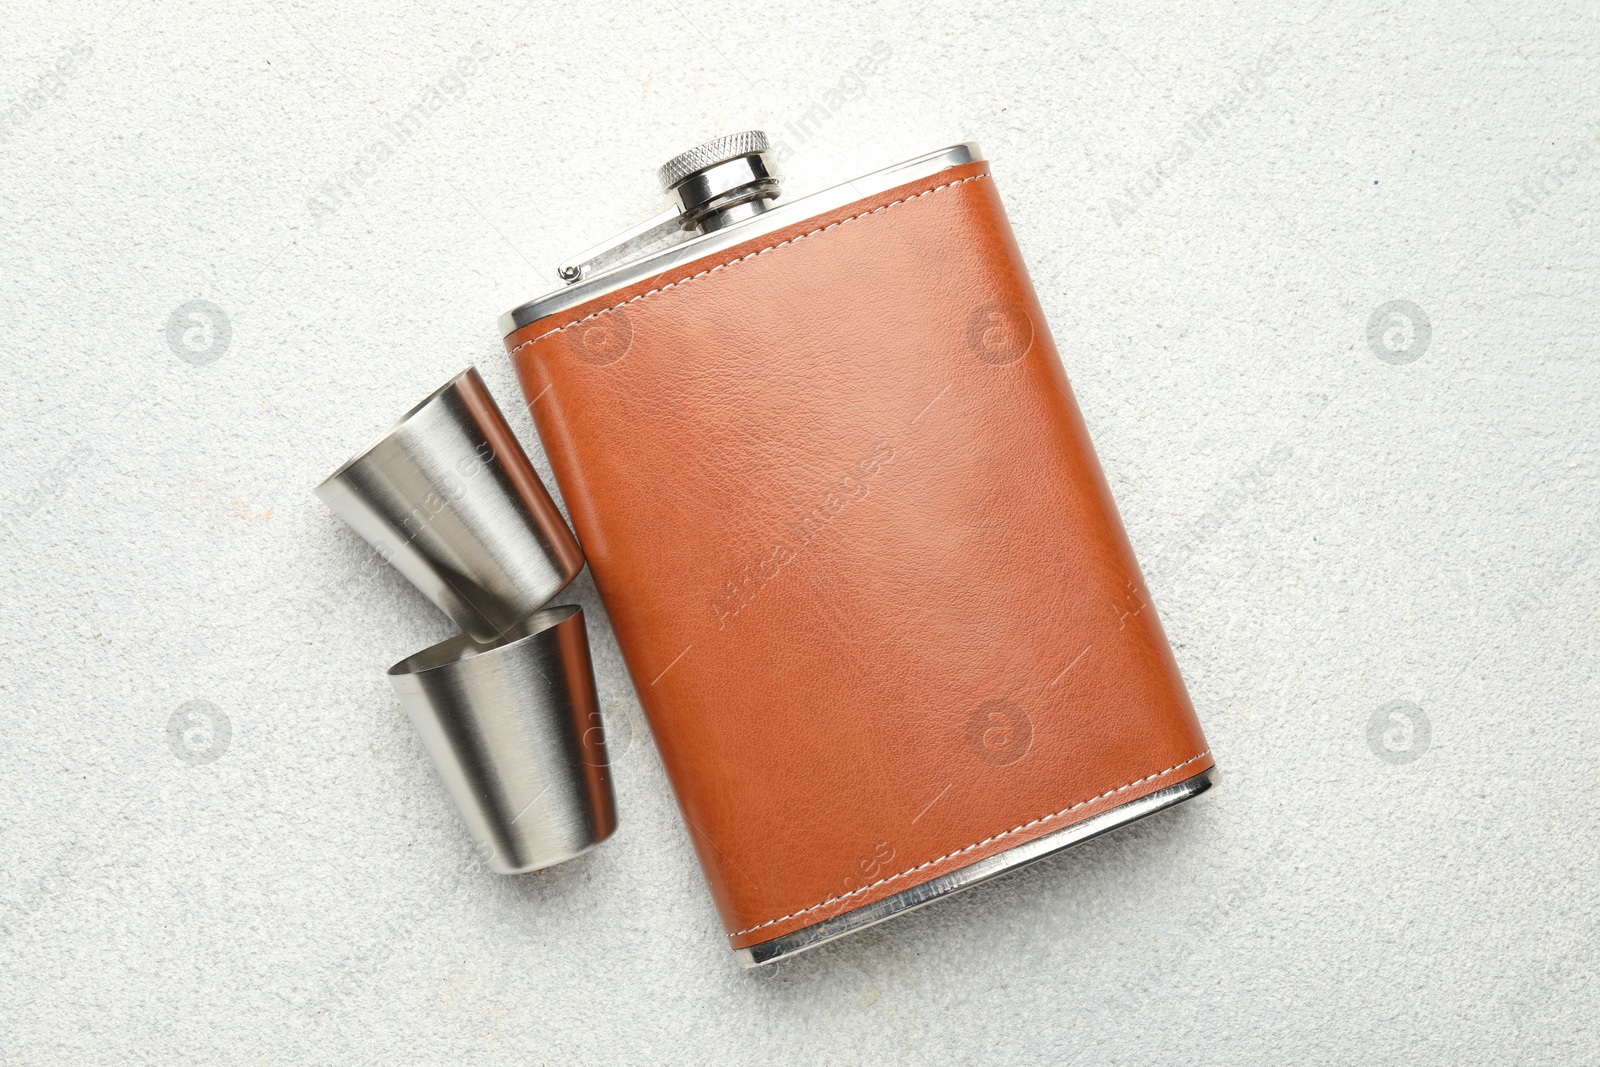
(862, 563)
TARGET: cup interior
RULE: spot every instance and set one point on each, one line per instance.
(461, 648)
(453, 383)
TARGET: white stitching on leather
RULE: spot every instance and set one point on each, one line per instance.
(969, 848)
(977, 844)
(751, 255)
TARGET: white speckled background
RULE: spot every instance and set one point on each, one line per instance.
(1331, 522)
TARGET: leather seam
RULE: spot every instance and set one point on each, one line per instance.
(969, 848)
(749, 255)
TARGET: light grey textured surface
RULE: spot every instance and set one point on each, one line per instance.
(1325, 531)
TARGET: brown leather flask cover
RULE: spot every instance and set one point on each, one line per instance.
(862, 563)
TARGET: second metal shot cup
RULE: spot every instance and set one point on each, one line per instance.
(514, 730)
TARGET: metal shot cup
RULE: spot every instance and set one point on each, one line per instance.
(514, 730)
(448, 496)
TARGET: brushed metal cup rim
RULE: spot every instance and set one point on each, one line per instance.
(449, 498)
(513, 729)
(389, 433)
(463, 651)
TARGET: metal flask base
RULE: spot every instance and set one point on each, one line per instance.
(871, 914)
